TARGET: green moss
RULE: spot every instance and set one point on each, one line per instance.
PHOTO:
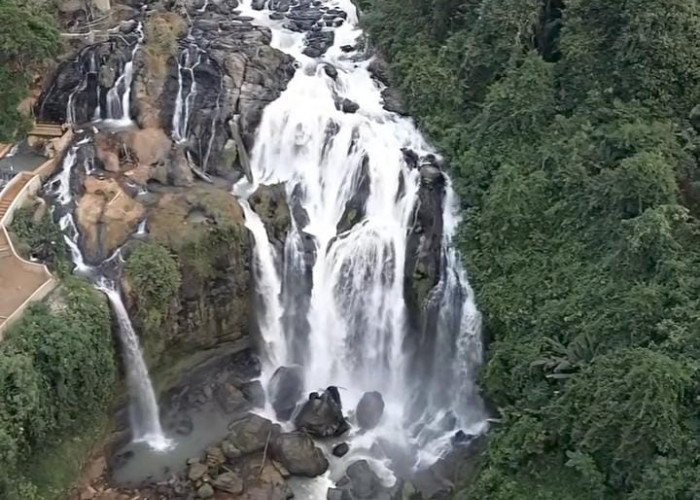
(154, 276)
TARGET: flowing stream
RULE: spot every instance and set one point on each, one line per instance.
(356, 332)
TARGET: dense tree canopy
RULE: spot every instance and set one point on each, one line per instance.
(567, 128)
(27, 36)
(57, 374)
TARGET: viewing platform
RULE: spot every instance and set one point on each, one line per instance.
(23, 282)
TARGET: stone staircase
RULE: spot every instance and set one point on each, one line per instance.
(10, 194)
(47, 130)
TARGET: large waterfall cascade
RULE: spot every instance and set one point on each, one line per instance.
(143, 411)
(357, 317)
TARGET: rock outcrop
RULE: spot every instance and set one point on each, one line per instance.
(106, 217)
(270, 203)
(205, 228)
(369, 410)
(322, 415)
(424, 259)
(285, 389)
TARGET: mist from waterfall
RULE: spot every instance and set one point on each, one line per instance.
(357, 321)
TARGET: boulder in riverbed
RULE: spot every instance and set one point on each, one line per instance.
(340, 450)
(248, 435)
(370, 410)
(322, 416)
(298, 454)
(285, 390)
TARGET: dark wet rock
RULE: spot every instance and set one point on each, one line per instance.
(364, 483)
(355, 207)
(254, 393)
(379, 69)
(258, 4)
(301, 217)
(248, 435)
(410, 157)
(331, 71)
(424, 254)
(369, 410)
(270, 203)
(322, 415)
(393, 101)
(276, 16)
(318, 42)
(298, 454)
(340, 450)
(348, 106)
(285, 389)
(347, 48)
(338, 494)
(230, 399)
(229, 482)
(84, 78)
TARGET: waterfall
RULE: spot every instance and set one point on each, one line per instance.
(357, 314)
(143, 413)
(145, 421)
(86, 100)
(188, 60)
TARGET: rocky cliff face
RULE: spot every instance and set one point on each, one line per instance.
(212, 312)
(186, 83)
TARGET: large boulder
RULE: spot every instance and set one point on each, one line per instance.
(230, 399)
(107, 216)
(285, 389)
(249, 434)
(364, 483)
(369, 410)
(322, 415)
(298, 454)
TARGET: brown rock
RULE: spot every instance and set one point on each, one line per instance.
(150, 145)
(106, 216)
(196, 471)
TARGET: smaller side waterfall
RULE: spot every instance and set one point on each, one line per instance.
(188, 60)
(145, 420)
(268, 287)
(144, 416)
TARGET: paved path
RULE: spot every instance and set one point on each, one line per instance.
(18, 280)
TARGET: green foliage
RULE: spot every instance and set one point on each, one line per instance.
(566, 127)
(155, 277)
(57, 374)
(29, 38)
(38, 236)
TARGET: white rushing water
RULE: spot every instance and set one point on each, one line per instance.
(357, 315)
(145, 420)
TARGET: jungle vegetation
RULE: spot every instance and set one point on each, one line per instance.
(571, 128)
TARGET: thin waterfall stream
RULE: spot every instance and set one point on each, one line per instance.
(143, 410)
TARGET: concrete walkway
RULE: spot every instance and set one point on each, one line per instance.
(22, 282)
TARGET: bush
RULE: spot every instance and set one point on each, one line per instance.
(57, 375)
(24, 43)
(154, 275)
